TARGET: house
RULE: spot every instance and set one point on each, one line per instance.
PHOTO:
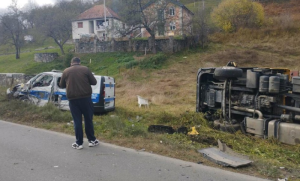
(28, 38)
(172, 18)
(99, 21)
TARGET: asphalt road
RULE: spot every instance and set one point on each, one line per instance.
(33, 154)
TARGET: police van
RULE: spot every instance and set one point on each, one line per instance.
(44, 88)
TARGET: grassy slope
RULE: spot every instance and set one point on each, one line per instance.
(172, 92)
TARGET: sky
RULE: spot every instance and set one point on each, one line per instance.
(5, 3)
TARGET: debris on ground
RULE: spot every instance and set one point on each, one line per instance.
(193, 132)
(161, 129)
(167, 129)
(225, 156)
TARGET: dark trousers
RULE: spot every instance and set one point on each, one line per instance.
(79, 107)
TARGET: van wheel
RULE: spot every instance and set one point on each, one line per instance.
(25, 99)
(227, 73)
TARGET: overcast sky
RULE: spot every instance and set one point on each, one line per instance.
(5, 3)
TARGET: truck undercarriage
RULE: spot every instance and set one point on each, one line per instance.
(264, 102)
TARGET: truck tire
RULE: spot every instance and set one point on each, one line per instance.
(227, 73)
(231, 128)
(217, 124)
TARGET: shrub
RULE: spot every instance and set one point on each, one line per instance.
(231, 15)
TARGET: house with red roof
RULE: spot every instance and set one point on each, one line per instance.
(99, 21)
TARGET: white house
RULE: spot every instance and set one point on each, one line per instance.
(97, 21)
(28, 38)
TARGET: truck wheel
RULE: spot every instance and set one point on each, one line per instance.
(227, 73)
(217, 124)
(231, 128)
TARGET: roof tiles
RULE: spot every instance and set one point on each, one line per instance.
(97, 12)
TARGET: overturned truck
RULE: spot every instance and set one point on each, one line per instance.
(264, 102)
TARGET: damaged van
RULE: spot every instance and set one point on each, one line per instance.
(44, 88)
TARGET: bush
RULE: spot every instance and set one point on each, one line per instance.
(231, 15)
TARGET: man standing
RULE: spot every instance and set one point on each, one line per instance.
(78, 79)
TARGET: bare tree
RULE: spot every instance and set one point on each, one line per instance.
(200, 26)
(12, 28)
(55, 21)
(139, 15)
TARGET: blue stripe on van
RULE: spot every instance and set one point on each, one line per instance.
(109, 99)
(40, 94)
(63, 94)
(95, 98)
(109, 85)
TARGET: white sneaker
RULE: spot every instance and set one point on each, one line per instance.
(76, 146)
(93, 143)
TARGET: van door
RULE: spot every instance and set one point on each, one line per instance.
(96, 90)
(59, 95)
(103, 95)
(40, 89)
(109, 99)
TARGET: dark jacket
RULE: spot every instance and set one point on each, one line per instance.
(78, 80)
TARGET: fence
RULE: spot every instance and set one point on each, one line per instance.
(169, 45)
(11, 79)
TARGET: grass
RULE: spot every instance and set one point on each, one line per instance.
(128, 127)
(171, 90)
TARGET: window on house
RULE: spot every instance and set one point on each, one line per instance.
(172, 11)
(172, 26)
(80, 25)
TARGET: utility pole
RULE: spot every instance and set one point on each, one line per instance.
(105, 21)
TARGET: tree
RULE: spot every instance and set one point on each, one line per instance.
(27, 9)
(55, 21)
(231, 15)
(12, 28)
(200, 26)
(137, 16)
